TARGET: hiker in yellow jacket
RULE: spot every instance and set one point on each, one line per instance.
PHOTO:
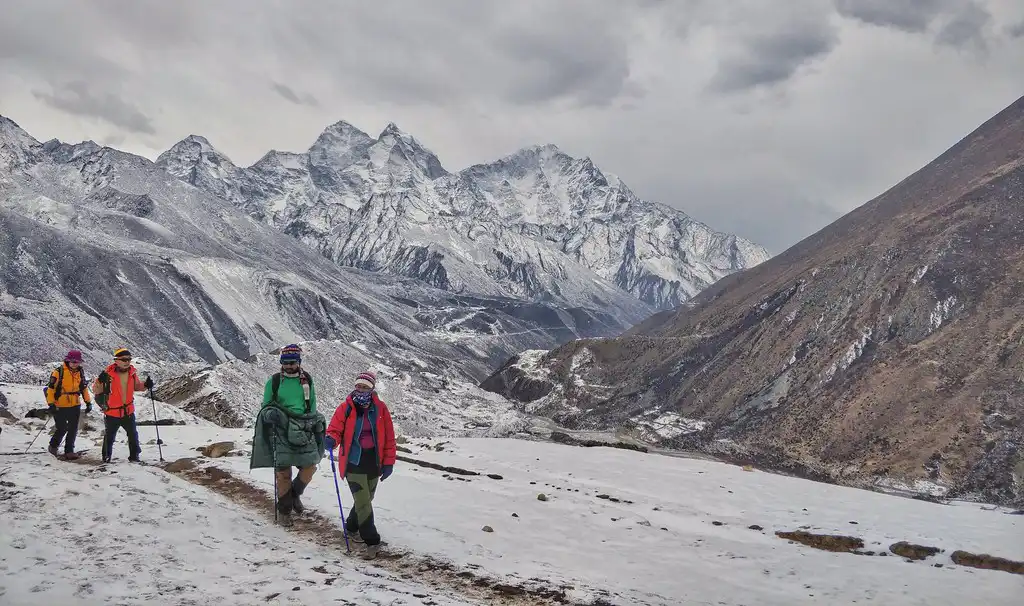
(64, 393)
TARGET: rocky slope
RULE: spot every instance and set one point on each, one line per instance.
(884, 350)
(100, 249)
(537, 225)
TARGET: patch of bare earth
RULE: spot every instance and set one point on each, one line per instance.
(988, 562)
(442, 576)
(910, 551)
(827, 542)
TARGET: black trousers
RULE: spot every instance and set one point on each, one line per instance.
(66, 421)
(112, 424)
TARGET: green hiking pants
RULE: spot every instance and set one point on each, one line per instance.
(360, 518)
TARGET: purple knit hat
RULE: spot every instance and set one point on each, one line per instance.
(73, 356)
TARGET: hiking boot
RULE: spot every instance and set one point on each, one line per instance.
(298, 487)
(52, 450)
(284, 509)
(371, 552)
(355, 537)
(72, 456)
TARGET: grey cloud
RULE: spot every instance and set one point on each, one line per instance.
(967, 27)
(1016, 31)
(76, 98)
(772, 57)
(906, 15)
(289, 94)
(528, 52)
(113, 140)
(960, 22)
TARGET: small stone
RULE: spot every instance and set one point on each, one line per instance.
(515, 515)
(542, 497)
(755, 527)
(717, 523)
(217, 449)
(487, 529)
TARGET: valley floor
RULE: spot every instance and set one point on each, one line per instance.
(614, 527)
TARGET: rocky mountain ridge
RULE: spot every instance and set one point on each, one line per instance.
(101, 249)
(537, 225)
(884, 350)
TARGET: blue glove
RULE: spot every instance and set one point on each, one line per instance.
(329, 443)
(385, 472)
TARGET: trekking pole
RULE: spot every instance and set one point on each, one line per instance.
(273, 455)
(341, 510)
(38, 434)
(159, 442)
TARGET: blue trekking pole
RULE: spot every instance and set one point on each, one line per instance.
(341, 510)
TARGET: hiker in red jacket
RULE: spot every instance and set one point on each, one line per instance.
(115, 389)
(362, 430)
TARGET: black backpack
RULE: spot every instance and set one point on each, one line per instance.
(103, 398)
(275, 384)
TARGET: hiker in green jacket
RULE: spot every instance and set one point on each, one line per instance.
(297, 396)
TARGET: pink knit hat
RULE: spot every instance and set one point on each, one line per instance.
(366, 379)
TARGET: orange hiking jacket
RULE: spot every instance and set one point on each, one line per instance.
(72, 388)
(119, 404)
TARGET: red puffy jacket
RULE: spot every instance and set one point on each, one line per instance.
(342, 429)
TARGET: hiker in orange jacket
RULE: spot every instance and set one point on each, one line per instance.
(115, 389)
(64, 394)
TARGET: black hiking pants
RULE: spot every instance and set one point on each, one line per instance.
(111, 425)
(65, 419)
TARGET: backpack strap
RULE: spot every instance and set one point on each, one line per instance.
(307, 385)
(58, 389)
(275, 384)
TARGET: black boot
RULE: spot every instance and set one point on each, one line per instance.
(297, 488)
(284, 509)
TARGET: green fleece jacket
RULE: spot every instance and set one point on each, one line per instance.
(290, 395)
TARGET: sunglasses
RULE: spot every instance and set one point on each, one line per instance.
(122, 359)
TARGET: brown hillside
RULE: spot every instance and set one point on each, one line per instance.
(888, 345)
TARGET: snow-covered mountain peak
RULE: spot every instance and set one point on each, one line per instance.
(340, 142)
(17, 147)
(189, 151)
(537, 223)
(395, 148)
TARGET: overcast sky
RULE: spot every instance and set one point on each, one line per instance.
(766, 118)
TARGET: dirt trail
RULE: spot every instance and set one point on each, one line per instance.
(469, 583)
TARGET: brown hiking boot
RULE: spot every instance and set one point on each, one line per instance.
(72, 456)
(52, 450)
(371, 552)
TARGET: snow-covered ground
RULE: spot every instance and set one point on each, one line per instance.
(658, 544)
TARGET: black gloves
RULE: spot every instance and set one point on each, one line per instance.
(149, 382)
(88, 407)
(52, 408)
